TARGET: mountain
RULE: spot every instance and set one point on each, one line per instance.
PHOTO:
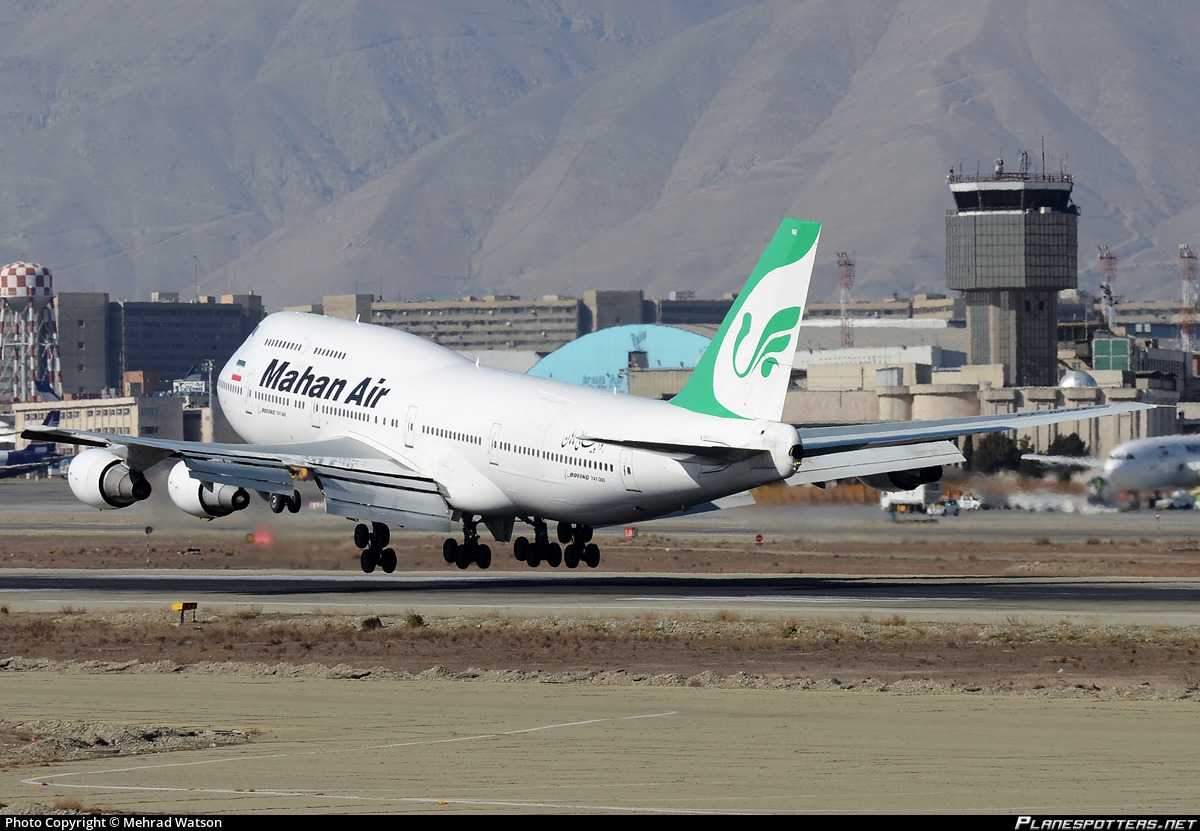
(298, 148)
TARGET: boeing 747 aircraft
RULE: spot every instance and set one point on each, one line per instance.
(397, 431)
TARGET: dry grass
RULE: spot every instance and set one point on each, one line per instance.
(724, 643)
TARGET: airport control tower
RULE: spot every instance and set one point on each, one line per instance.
(1011, 247)
(28, 336)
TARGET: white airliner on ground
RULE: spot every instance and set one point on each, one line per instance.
(397, 431)
(1141, 466)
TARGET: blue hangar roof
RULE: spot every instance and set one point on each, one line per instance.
(601, 359)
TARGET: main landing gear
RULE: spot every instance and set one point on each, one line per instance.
(470, 550)
(578, 539)
(372, 540)
(279, 501)
(579, 546)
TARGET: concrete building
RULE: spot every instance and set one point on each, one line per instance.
(169, 338)
(1011, 247)
(83, 342)
(603, 309)
(187, 418)
(922, 306)
(683, 308)
(492, 322)
(498, 322)
(102, 340)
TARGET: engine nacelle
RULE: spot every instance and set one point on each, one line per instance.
(102, 479)
(203, 499)
(902, 480)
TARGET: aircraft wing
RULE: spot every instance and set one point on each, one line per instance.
(8, 471)
(818, 441)
(358, 479)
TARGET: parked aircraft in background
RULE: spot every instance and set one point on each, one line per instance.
(38, 456)
(1161, 463)
(397, 431)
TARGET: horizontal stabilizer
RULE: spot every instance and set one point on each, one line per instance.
(716, 452)
(867, 462)
(737, 500)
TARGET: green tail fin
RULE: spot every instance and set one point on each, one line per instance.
(745, 375)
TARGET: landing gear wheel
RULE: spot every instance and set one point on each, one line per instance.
(293, 502)
(381, 534)
(564, 532)
(533, 558)
(571, 556)
(450, 550)
(521, 548)
(387, 560)
(591, 555)
(368, 559)
(483, 556)
(583, 533)
(464, 556)
(554, 555)
(362, 535)
(278, 502)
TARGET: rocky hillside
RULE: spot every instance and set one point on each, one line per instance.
(300, 148)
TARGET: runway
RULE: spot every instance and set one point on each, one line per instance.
(1130, 600)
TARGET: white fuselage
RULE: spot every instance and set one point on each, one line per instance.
(1154, 464)
(498, 443)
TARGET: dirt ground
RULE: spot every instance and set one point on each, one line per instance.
(1082, 556)
(893, 654)
(1014, 657)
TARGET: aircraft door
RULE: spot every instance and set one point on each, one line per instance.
(410, 426)
(494, 445)
(627, 470)
(248, 386)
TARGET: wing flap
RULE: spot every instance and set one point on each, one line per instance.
(241, 475)
(405, 502)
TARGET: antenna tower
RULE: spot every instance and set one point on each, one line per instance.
(1108, 276)
(1187, 270)
(846, 287)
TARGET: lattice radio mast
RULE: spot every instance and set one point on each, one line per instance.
(846, 288)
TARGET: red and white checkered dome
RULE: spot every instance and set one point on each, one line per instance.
(26, 280)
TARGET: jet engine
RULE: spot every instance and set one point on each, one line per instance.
(102, 479)
(203, 499)
(902, 480)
